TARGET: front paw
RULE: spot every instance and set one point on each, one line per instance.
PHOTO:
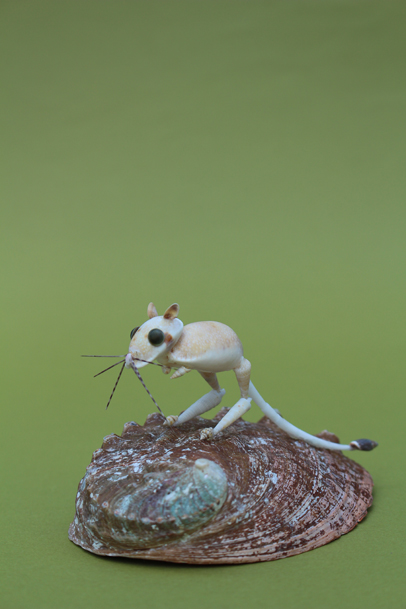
(171, 420)
(206, 434)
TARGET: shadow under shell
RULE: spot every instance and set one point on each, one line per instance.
(251, 494)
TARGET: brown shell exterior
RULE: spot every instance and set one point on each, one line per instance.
(284, 497)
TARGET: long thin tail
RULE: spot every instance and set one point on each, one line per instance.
(297, 433)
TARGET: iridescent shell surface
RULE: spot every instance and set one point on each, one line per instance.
(251, 494)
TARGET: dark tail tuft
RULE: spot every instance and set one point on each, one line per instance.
(363, 444)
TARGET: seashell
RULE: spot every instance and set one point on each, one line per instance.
(251, 494)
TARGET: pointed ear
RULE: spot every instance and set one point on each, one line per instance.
(172, 312)
(152, 312)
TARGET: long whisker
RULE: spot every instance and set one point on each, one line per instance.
(146, 388)
(116, 364)
(137, 358)
(147, 362)
(103, 355)
(114, 388)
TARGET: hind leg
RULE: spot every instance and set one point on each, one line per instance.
(243, 373)
(205, 403)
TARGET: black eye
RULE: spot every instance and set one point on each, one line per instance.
(156, 337)
(133, 331)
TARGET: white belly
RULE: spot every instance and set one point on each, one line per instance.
(209, 346)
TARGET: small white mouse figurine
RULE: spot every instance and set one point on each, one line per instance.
(209, 347)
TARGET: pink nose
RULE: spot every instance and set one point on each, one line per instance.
(131, 361)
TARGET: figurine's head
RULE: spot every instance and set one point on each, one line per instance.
(156, 336)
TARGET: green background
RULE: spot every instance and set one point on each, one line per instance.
(246, 160)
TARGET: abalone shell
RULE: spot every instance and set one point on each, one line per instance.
(250, 494)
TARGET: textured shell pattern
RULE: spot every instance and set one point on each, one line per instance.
(251, 494)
